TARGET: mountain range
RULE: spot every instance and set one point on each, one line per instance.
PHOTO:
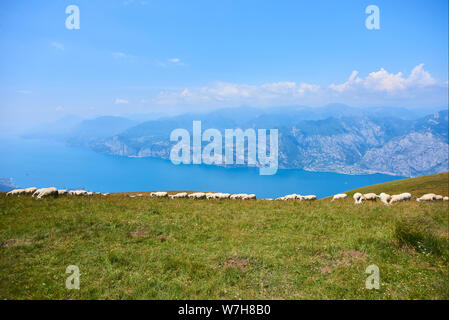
(333, 138)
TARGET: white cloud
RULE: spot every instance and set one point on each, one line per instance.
(58, 45)
(119, 55)
(120, 101)
(170, 61)
(24, 91)
(383, 81)
(376, 88)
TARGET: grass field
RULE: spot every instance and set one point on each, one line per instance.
(145, 248)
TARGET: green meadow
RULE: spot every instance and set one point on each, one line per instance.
(146, 248)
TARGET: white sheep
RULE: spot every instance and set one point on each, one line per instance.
(45, 192)
(159, 194)
(78, 193)
(29, 191)
(385, 198)
(427, 197)
(178, 195)
(222, 196)
(15, 192)
(293, 196)
(446, 198)
(62, 192)
(197, 195)
(370, 196)
(358, 197)
(339, 196)
(400, 197)
(406, 196)
(309, 197)
(438, 198)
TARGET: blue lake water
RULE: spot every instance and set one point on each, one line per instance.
(42, 163)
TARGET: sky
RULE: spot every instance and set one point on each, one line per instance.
(164, 56)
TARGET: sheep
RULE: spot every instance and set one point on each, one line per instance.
(159, 194)
(248, 197)
(78, 192)
(358, 197)
(309, 197)
(293, 196)
(427, 197)
(406, 196)
(45, 192)
(197, 195)
(339, 196)
(62, 192)
(15, 192)
(385, 198)
(222, 196)
(29, 191)
(178, 195)
(370, 196)
(400, 197)
(445, 198)
(105, 194)
(211, 195)
(238, 196)
(438, 198)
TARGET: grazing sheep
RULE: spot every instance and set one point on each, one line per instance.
(358, 197)
(62, 192)
(339, 196)
(222, 196)
(385, 198)
(29, 191)
(45, 192)
(309, 197)
(406, 196)
(438, 198)
(159, 194)
(105, 194)
(78, 192)
(248, 197)
(15, 192)
(178, 195)
(427, 197)
(197, 195)
(293, 196)
(370, 196)
(238, 196)
(445, 198)
(400, 197)
(211, 195)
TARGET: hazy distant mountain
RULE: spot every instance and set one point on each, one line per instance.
(98, 128)
(334, 138)
(6, 184)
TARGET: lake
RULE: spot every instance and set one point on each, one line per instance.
(42, 163)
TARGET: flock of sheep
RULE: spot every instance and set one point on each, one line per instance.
(390, 199)
(358, 197)
(46, 192)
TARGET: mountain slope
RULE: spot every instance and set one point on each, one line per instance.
(347, 144)
(435, 183)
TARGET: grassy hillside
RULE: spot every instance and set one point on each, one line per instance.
(144, 248)
(435, 183)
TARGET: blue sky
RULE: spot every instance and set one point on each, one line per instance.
(147, 56)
